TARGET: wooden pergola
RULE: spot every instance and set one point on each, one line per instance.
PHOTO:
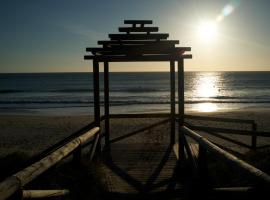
(138, 43)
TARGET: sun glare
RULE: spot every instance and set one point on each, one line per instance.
(207, 30)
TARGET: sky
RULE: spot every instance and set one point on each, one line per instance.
(51, 35)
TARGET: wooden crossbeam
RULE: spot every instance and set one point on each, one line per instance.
(157, 36)
(138, 21)
(137, 42)
(138, 29)
(151, 58)
(140, 49)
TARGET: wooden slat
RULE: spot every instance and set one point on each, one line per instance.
(157, 36)
(234, 161)
(138, 21)
(138, 29)
(137, 42)
(150, 58)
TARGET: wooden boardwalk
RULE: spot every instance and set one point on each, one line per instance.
(142, 169)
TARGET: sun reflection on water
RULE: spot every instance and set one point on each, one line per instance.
(206, 88)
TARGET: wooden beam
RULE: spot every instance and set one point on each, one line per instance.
(156, 36)
(172, 93)
(138, 29)
(150, 58)
(181, 104)
(138, 21)
(106, 105)
(137, 42)
(96, 98)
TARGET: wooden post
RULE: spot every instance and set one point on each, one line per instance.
(96, 99)
(181, 105)
(106, 106)
(172, 80)
(254, 136)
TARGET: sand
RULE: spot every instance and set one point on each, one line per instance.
(32, 134)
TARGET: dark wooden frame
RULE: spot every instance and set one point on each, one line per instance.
(138, 47)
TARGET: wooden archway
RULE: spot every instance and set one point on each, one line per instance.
(138, 43)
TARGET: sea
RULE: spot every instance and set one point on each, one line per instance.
(131, 92)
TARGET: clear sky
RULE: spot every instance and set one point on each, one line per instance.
(51, 35)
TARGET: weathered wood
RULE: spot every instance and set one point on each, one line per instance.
(36, 194)
(239, 164)
(9, 186)
(21, 178)
(172, 94)
(137, 42)
(138, 29)
(138, 21)
(156, 36)
(106, 105)
(146, 58)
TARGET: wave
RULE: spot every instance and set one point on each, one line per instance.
(115, 102)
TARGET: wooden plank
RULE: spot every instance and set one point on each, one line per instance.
(137, 42)
(34, 194)
(138, 29)
(234, 161)
(138, 21)
(150, 58)
(9, 186)
(156, 36)
(140, 168)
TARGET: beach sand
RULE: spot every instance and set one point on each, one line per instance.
(32, 134)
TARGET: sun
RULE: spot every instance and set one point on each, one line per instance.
(207, 30)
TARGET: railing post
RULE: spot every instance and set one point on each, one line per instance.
(172, 80)
(106, 107)
(254, 136)
(181, 107)
(96, 99)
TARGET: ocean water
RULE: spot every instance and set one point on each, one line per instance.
(72, 93)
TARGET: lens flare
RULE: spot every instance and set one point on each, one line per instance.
(227, 10)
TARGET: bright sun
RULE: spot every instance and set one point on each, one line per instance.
(207, 30)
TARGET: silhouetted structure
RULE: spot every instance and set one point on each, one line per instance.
(138, 43)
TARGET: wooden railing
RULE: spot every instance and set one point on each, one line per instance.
(216, 130)
(206, 146)
(14, 183)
